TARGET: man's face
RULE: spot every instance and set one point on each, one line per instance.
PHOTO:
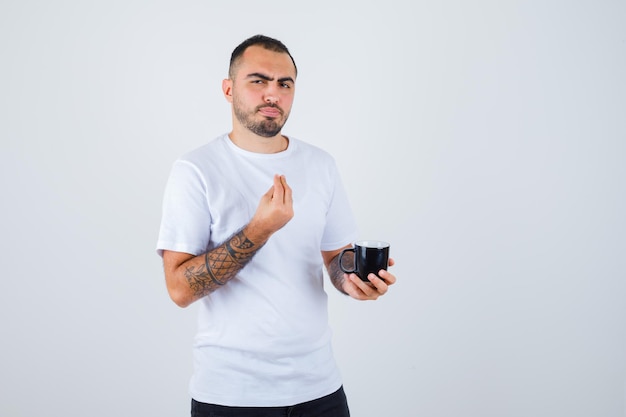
(263, 90)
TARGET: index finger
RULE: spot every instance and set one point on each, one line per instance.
(380, 284)
(288, 194)
(279, 190)
(387, 277)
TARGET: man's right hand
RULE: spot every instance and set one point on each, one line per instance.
(191, 277)
(273, 212)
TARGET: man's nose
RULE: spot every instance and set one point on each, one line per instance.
(271, 99)
(271, 95)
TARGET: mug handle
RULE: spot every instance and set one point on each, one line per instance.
(347, 271)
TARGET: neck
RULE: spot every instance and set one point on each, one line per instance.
(258, 144)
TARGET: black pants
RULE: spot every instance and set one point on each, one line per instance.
(333, 405)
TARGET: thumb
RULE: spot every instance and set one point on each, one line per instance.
(269, 194)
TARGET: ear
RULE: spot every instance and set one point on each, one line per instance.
(227, 89)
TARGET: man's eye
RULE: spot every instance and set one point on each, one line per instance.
(285, 85)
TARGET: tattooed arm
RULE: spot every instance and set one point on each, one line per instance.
(190, 277)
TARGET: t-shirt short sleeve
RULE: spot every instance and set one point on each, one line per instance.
(186, 217)
(341, 226)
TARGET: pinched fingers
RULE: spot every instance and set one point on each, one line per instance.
(275, 208)
(283, 196)
(287, 193)
(278, 190)
(281, 192)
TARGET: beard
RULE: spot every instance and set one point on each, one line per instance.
(267, 128)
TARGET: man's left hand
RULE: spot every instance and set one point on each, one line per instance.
(364, 290)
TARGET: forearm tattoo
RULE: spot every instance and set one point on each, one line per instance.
(337, 276)
(221, 264)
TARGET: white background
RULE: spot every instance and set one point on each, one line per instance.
(485, 140)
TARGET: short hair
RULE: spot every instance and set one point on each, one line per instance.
(266, 42)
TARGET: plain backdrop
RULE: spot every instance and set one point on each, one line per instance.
(485, 140)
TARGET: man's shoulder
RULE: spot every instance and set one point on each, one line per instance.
(207, 151)
(311, 150)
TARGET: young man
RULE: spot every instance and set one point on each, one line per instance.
(249, 220)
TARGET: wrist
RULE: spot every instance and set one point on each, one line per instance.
(256, 233)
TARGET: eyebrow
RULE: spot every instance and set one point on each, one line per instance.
(267, 78)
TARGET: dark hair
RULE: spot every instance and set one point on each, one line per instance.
(266, 42)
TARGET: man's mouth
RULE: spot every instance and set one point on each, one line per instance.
(270, 111)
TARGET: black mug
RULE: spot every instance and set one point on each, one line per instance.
(370, 256)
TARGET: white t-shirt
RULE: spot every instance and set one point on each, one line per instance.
(263, 338)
